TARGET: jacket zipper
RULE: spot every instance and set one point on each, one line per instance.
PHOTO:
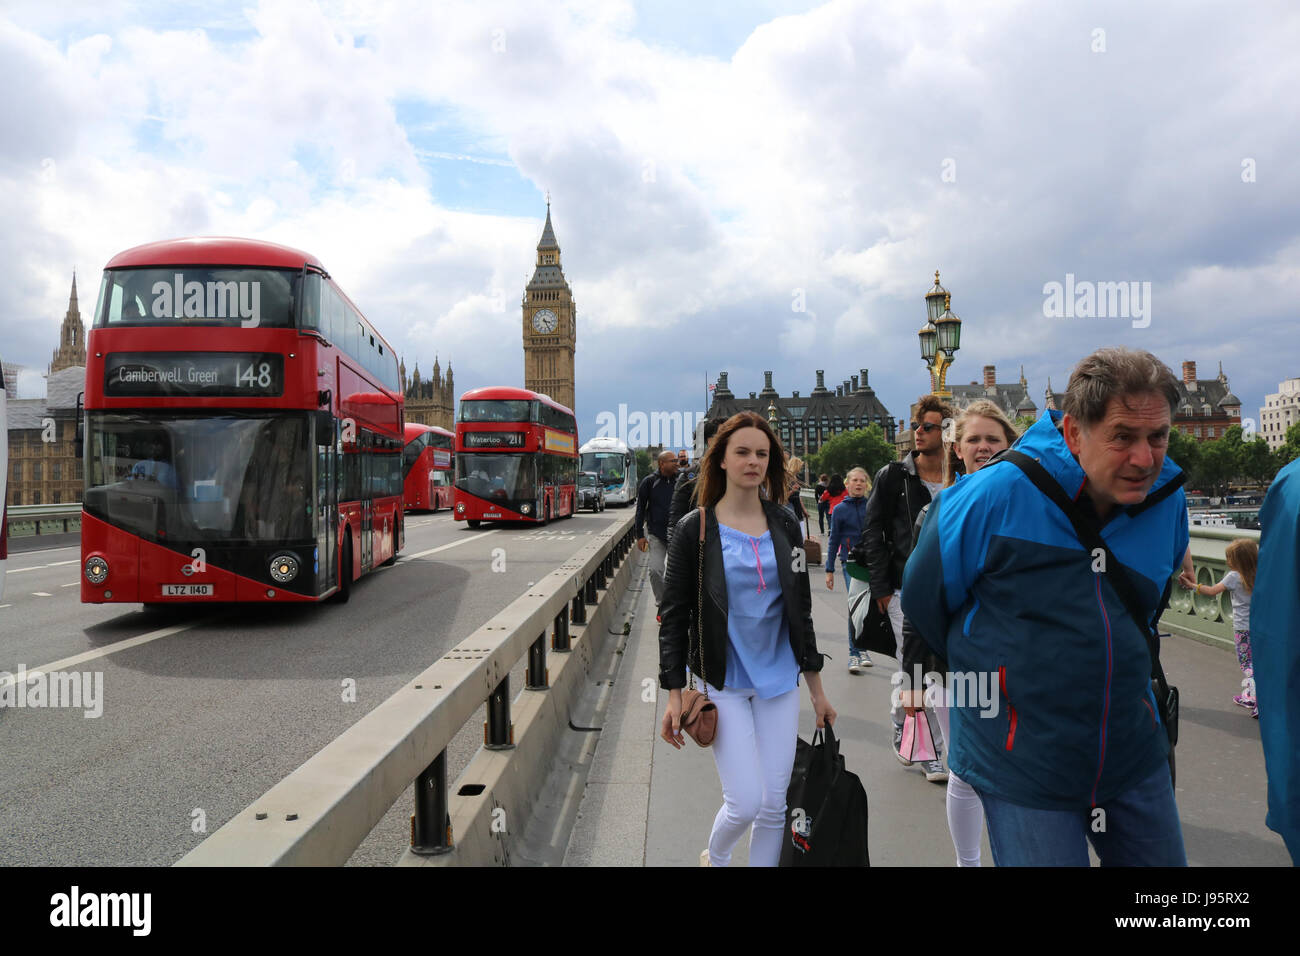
(1105, 707)
(1011, 711)
(1155, 724)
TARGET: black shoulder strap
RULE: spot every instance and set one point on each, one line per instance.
(1089, 534)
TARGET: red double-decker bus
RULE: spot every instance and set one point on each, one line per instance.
(243, 430)
(427, 467)
(516, 457)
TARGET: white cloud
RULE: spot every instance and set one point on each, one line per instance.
(691, 193)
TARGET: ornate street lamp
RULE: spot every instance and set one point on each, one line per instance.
(940, 337)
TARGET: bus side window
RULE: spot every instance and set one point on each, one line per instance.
(311, 304)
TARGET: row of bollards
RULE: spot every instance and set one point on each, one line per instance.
(431, 803)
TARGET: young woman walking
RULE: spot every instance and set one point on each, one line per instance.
(755, 636)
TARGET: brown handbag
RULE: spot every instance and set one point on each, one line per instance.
(699, 714)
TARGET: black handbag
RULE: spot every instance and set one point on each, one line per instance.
(826, 808)
(1090, 537)
(877, 633)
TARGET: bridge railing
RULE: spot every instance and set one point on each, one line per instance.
(27, 520)
(1199, 616)
(322, 812)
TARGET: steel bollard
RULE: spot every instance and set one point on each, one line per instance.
(589, 589)
(431, 823)
(498, 731)
(538, 678)
(560, 642)
(579, 615)
(600, 575)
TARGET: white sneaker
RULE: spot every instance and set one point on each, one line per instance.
(898, 742)
(934, 771)
(855, 664)
(704, 857)
(865, 660)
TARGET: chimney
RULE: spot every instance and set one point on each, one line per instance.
(839, 391)
(1189, 375)
(854, 379)
(795, 393)
(753, 394)
(990, 376)
(821, 380)
(767, 381)
(864, 378)
(722, 380)
(845, 386)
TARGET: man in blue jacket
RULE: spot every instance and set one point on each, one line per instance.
(1275, 645)
(999, 583)
(847, 521)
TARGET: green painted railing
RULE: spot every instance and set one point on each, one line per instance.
(1206, 619)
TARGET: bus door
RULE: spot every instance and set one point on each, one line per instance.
(367, 505)
(328, 448)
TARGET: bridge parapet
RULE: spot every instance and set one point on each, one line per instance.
(321, 813)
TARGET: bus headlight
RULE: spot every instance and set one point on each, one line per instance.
(460, 507)
(284, 567)
(526, 509)
(96, 570)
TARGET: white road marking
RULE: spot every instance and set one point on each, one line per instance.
(67, 662)
(55, 564)
(21, 570)
(444, 547)
(41, 594)
(72, 585)
(5, 605)
(71, 547)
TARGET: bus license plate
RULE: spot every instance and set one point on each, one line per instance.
(491, 514)
(187, 590)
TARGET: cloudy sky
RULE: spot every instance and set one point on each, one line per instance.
(711, 167)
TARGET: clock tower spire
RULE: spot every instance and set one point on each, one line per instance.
(550, 323)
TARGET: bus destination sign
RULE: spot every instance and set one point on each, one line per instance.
(197, 374)
(494, 439)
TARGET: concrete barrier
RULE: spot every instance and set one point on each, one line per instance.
(320, 814)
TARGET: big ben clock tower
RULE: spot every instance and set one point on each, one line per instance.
(550, 323)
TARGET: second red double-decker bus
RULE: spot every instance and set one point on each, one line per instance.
(427, 467)
(516, 457)
(243, 429)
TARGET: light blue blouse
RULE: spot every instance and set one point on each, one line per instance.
(758, 635)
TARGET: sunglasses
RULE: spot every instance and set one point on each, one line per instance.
(926, 427)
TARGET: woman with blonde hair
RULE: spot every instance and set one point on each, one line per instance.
(738, 614)
(982, 430)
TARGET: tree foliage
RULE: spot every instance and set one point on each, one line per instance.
(864, 447)
(1290, 449)
(1213, 466)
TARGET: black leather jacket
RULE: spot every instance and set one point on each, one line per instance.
(681, 598)
(897, 497)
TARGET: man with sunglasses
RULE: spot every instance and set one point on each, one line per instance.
(901, 490)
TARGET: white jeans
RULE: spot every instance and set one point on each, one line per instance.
(754, 751)
(658, 552)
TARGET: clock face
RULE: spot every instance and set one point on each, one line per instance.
(545, 321)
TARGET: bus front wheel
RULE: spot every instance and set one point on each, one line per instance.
(472, 522)
(345, 571)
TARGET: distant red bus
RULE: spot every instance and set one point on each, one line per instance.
(243, 430)
(427, 467)
(516, 457)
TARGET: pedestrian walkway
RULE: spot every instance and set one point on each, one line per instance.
(646, 804)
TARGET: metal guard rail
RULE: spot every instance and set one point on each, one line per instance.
(320, 813)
